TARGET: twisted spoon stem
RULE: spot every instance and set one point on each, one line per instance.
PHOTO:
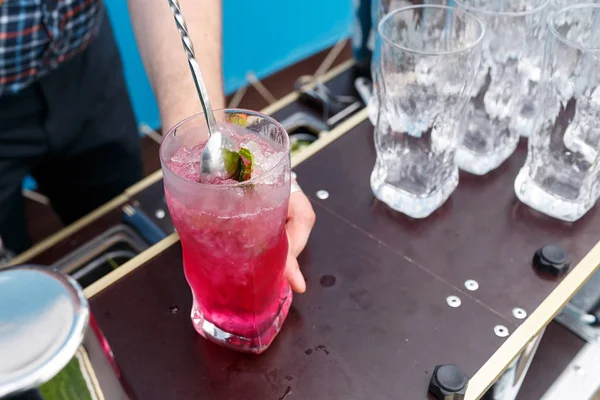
(195, 68)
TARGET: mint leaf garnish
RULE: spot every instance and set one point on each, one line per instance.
(231, 159)
(246, 165)
(239, 165)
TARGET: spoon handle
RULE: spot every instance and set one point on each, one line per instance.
(195, 68)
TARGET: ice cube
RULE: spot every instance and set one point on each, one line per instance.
(256, 150)
(188, 154)
(269, 162)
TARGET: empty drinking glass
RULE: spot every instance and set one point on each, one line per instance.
(379, 8)
(427, 56)
(503, 103)
(561, 176)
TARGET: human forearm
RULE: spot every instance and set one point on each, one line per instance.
(165, 60)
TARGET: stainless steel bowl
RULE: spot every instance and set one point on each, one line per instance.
(50, 346)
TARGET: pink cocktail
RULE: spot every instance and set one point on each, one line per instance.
(232, 233)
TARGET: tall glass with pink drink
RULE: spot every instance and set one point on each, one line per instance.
(232, 232)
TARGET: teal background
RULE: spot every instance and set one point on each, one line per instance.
(261, 36)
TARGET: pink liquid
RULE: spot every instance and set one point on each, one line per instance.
(234, 265)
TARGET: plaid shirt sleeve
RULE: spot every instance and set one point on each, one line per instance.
(37, 35)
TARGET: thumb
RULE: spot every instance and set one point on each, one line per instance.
(293, 274)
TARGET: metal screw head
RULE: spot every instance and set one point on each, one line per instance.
(471, 285)
(160, 213)
(519, 313)
(323, 194)
(501, 331)
(453, 301)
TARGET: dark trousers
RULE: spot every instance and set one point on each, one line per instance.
(74, 130)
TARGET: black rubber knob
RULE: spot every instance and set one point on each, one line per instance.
(551, 259)
(448, 382)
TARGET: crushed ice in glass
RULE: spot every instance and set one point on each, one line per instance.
(266, 154)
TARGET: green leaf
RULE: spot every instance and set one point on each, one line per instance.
(231, 159)
(69, 383)
(246, 165)
(239, 165)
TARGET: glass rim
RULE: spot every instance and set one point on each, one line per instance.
(553, 29)
(478, 10)
(254, 179)
(468, 47)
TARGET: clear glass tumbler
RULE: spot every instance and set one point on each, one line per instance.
(379, 8)
(232, 234)
(561, 176)
(503, 105)
(427, 57)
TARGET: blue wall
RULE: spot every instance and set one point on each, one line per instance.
(261, 36)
